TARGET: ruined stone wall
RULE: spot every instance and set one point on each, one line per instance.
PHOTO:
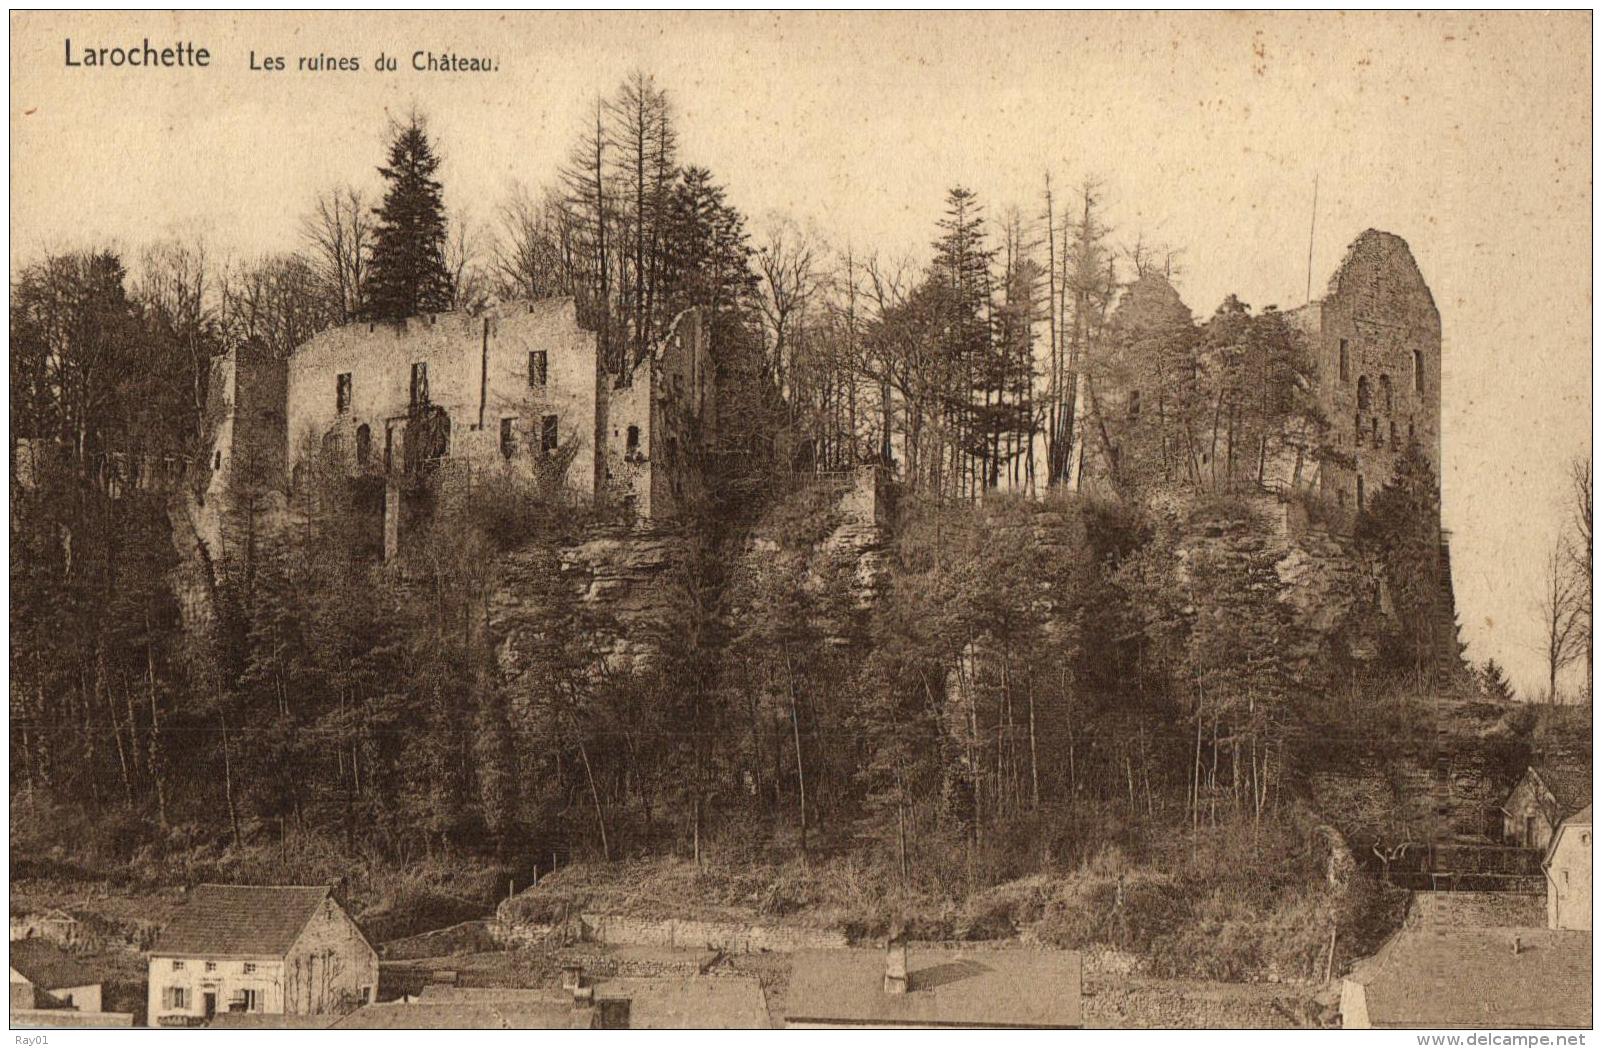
(246, 464)
(1379, 308)
(668, 403)
(478, 373)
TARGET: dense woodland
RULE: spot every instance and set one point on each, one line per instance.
(1042, 676)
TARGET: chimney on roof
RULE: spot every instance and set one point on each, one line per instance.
(895, 968)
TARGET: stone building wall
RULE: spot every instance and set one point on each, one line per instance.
(246, 462)
(478, 373)
(657, 424)
(1480, 910)
(330, 965)
(1378, 315)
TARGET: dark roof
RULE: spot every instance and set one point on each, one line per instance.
(241, 921)
(1569, 784)
(956, 988)
(48, 966)
(721, 1003)
(656, 1003)
(272, 1021)
(554, 1013)
(1437, 978)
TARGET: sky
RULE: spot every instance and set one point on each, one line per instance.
(1467, 134)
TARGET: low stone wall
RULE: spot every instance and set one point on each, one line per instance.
(730, 937)
(68, 1018)
(1480, 909)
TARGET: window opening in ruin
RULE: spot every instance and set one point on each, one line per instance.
(1340, 498)
(1409, 431)
(1385, 392)
(1359, 494)
(548, 434)
(342, 393)
(1393, 433)
(1357, 430)
(633, 442)
(389, 446)
(1134, 404)
(1362, 392)
(508, 437)
(419, 383)
(364, 444)
(1346, 363)
(216, 461)
(537, 363)
(1374, 431)
(1418, 371)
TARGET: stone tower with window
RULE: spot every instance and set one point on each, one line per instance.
(1376, 339)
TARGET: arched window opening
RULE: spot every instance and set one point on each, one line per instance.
(1362, 393)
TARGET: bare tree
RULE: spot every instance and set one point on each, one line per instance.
(787, 265)
(339, 233)
(1579, 553)
(1561, 616)
(175, 282)
(532, 256)
(276, 300)
(464, 262)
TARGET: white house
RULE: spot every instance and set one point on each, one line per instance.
(259, 949)
(1568, 873)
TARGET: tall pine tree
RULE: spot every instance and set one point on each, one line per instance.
(407, 273)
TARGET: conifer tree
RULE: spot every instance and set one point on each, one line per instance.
(407, 273)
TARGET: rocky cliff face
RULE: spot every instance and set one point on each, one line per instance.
(829, 539)
(620, 578)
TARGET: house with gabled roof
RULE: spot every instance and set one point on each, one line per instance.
(1543, 797)
(44, 976)
(290, 949)
(1568, 873)
(1434, 978)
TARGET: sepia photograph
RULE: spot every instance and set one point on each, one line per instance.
(742, 520)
